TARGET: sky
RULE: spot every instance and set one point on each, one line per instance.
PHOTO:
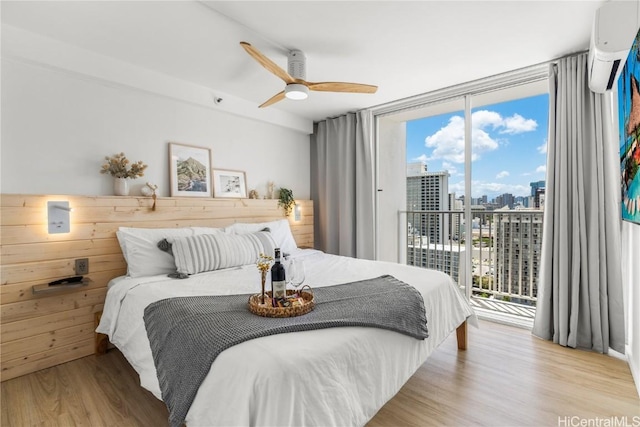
(509, 146)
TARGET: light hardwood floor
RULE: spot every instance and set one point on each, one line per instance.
(505, 378)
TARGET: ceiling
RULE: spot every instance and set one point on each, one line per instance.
(406, 48)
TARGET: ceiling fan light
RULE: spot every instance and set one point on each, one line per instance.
(296, 91)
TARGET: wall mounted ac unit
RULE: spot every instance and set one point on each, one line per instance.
(614, 27)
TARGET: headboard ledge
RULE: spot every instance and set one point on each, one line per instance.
(39, 331)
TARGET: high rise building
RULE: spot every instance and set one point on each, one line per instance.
(455, 222)
(538, 199)
(506, 199)
(428, 191)
(535, 186)
(416, 168)
(517, 247)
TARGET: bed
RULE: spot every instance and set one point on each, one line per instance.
(330, 376)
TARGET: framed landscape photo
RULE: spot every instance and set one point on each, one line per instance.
(189, 170)
(228, 183)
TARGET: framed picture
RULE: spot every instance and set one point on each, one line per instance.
(629, 131)
(189, 170)
(228, 183)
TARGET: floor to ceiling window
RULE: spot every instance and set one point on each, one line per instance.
(508, 183)
(467, 198)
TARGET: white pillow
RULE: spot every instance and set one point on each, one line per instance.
(280, 231)
(208, 252)
(206, 230)
(140, 248)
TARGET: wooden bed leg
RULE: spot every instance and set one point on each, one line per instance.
(102, 340)
(461, 335)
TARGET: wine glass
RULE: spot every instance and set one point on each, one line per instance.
(296, 273)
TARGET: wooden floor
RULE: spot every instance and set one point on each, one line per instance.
(505, 378)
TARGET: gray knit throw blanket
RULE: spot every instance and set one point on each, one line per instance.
(187, 333)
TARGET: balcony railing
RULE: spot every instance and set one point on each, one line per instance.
(505, 250)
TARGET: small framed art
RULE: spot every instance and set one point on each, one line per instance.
(228, 183)
(189, 170)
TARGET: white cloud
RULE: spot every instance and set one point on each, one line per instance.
(542, 149)
(456, 187)
(449, 167)
(518, 124)
(502, 174)
(422, 158)
(448, 142)
(541, 169)
(484, 118)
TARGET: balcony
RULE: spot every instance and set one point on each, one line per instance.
(505, 250)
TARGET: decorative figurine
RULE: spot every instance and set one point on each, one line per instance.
(253, 194)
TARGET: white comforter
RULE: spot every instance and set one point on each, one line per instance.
(336, 376)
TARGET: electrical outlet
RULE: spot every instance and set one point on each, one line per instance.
(82, 266)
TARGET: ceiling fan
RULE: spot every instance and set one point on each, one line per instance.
(297, 87)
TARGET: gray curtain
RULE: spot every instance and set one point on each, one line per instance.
(342, 185)
(580, 300)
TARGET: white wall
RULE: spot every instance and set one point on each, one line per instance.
(59, 123)
(630, 255)
(631, 278)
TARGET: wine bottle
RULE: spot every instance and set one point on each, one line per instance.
(278, 282)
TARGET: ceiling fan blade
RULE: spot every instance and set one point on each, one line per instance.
(275, 98)
(341, 87)
(267, 63)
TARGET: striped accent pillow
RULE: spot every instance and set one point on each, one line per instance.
(208, 252)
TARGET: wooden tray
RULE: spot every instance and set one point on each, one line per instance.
(266, 310)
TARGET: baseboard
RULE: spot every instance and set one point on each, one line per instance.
(634, 366)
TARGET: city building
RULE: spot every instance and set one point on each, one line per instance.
(506, 199)
(416, 168)
(428, 191)
(445, 258)
(535, 186)
(517, 244)
(538, 199)
(456, 223)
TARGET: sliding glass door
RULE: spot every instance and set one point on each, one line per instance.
(445, 168)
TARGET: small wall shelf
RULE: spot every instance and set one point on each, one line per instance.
(45, 288)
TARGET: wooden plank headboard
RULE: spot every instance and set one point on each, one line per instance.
(39, 331)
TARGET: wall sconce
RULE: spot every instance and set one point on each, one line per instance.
(58, 217)
(297, 214)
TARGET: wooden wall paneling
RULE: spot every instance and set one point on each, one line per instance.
(39, 331)
(51, 304)
(59, 250)
(48, 340)
(34, 362)
(51, 322)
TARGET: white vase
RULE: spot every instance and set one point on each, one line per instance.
(121, 187)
